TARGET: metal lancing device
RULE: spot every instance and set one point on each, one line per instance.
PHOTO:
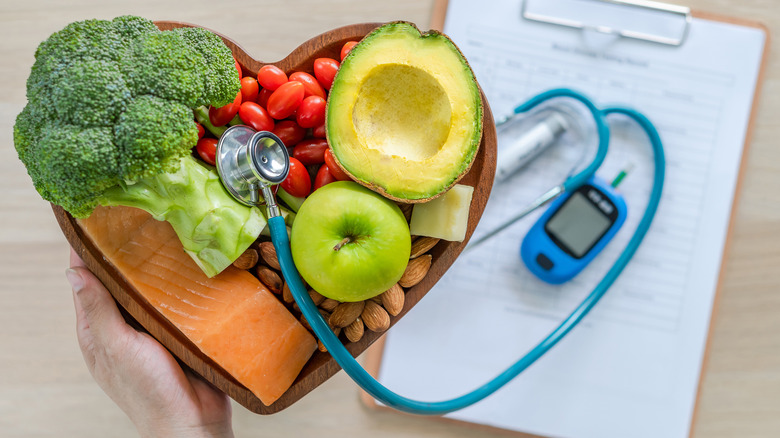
(519, 144)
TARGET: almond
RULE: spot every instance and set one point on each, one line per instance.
(416, 270)
(393, 299)
(346, 313)
(268, 253)
(270, 279)
(316, 297)
(321, 346)
(421, 245)
(375, 317)
(354, 331)
(247, 260)
(329, 304)
(305, 322)
(287, 295)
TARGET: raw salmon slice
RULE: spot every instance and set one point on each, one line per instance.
(231, 317)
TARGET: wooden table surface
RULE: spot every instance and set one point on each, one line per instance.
(46, 390)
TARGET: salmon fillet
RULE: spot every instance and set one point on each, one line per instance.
(231, 317)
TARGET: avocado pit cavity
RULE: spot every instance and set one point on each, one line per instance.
(402, 111)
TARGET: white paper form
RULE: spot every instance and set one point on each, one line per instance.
(631, 369)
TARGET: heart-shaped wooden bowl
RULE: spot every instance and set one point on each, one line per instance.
(321, 366)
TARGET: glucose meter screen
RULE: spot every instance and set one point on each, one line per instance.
(578, 225)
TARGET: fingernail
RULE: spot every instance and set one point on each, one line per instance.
(75, 279)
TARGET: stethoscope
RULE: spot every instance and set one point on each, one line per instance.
(251, 162)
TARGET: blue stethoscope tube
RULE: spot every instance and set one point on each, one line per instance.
(377, 390)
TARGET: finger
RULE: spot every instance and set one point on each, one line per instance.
(75, 260)
(98, 312)
(84, 336)
(210, 397)
(82, 327)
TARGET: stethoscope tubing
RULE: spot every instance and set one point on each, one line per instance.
(368, 383)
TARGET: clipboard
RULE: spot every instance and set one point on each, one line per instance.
(374, 355)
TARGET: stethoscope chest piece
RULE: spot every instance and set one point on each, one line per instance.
(249, 161)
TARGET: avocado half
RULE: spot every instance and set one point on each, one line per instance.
(404, 114)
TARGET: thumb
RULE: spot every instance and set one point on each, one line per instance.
(97, 316)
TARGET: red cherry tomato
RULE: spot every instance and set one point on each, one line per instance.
(262, 97)
(289, 132)
(311, 151)
(255, 116)
(201, 130)
(220, 116)
(238, 67)
(311, 112)
(339, 174)
(324, 176)
(207, 149)
(249, 89)
(285, 100)
(319, 131)
(325, 70)
(346, 48)
(271, 77)
(310, 85)
(298, 182)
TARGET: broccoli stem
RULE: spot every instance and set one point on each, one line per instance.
(236, 121)
(293, 202)
(213, 227)
(202, 116)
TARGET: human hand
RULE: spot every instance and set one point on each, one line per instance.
(138, 373)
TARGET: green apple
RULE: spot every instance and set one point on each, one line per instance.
(349, 243)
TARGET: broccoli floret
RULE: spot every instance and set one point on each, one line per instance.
(76, 165)
(109, 121)
(163, 64)
(190, 65)
(88, 38)
(29, 125)
(151, 134)
(90, 93)
(130, 27)
(218, 91)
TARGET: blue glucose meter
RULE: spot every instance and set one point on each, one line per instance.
(573, 231)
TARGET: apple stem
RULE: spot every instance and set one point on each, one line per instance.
(343, 242)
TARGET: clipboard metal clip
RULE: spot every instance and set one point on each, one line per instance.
(637, 19)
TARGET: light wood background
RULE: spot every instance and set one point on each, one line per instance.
(46, 390)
